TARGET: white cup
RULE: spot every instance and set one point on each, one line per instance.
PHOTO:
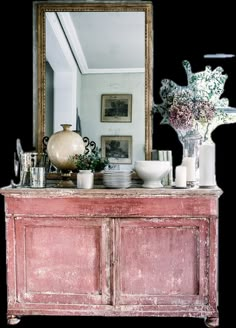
(85, 179)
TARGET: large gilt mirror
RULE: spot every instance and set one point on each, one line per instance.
(94, 71)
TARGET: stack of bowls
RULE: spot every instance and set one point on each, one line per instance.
(117, 178)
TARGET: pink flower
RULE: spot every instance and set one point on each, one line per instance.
(181, 116)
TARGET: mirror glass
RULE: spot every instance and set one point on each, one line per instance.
(94, 67)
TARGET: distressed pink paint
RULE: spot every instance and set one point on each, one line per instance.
(134, 252)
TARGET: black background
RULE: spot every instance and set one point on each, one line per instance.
(182, 30)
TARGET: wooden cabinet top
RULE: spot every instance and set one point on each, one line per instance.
(101, 192)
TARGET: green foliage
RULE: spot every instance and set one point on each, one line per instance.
(91, 161)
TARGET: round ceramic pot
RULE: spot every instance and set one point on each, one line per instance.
(62, 145)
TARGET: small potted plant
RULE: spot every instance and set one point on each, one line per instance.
(90, 161)
(85, 166)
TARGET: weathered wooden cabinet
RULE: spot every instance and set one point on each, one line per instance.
(107, 252)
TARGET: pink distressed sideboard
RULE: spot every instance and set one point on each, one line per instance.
(112, 252)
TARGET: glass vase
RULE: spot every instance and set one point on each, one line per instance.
(191, 142)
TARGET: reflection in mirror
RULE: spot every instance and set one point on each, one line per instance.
(86, 51)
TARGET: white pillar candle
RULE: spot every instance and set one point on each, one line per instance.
(207, 166)
(189, 162)
(180, 176)
(170, 175)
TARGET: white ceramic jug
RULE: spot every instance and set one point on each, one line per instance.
(85, 179)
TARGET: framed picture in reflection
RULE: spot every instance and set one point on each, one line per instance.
(118, 149)
(116, 108)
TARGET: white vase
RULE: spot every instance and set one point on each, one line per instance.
(85, 179)
(207, 177)
(62, 145)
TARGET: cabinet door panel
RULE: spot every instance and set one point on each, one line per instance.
(162, 261)
(62, 260)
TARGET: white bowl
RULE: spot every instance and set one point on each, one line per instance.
(152, 172)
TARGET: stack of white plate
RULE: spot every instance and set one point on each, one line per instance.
(117, 178)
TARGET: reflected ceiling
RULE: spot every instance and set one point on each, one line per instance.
(117, 49)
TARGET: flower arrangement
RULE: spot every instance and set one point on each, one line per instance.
(196, 106)
(90, 161)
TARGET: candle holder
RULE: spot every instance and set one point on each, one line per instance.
(191, 143)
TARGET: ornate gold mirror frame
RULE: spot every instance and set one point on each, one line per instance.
(41, 9)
